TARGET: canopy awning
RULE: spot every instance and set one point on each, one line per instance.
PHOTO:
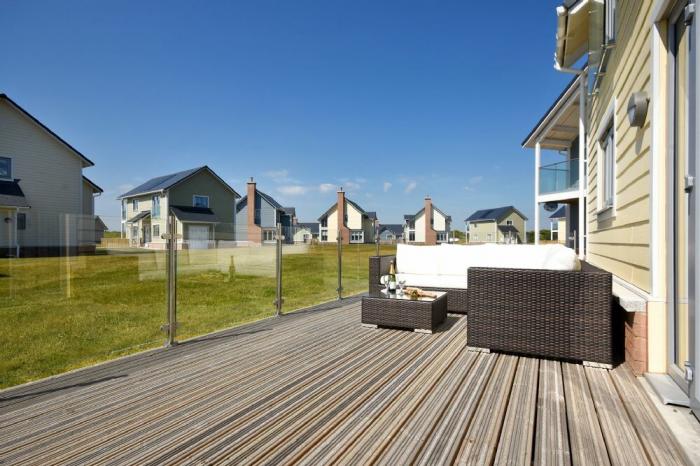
(558, 128)
(11, 195)
(194, 214)
(572, 32)
(140, 216)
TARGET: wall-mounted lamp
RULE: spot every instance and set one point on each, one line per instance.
(8, 220)
(637, 108)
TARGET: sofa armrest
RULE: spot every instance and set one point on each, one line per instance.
(378, 266)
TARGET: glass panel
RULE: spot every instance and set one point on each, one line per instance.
(221, 282)
(559, 177)
(74, 292)
(680, 196)
(309, 269)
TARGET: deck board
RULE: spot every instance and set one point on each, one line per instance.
(316, 387)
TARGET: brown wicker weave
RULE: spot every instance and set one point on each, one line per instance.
(383, 311)
(545, 313)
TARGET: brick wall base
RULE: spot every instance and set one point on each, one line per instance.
(636, 341)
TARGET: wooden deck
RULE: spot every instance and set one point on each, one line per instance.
(317, 388)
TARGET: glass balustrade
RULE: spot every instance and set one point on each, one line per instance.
(559, 177)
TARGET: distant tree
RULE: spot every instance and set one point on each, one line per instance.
(545, 235)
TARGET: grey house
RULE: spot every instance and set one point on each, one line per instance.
(257, 216)
(306, 232)
(497, 225)
(392, 233)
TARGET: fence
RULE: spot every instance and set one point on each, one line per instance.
(72, 296)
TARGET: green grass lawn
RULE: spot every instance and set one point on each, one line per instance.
(58, 314)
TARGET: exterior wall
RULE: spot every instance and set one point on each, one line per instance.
(561, 231)
(242, 223)
(419, 223)
(354, 217)
(268, 213)
(88, 199)
(51, 178)
(518, 222)
(619, 241)
(221, 200)
(369, 230)
(332, 226)
(146, 204)
(439, 221)
(482, 230)
(303, 235)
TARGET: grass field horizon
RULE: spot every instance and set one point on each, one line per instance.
(63, 313)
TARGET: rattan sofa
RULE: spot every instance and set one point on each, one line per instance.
(545, 313)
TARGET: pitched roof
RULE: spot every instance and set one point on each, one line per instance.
(186, 213)
(560, 213)
(161, 183)
(11, 194)
(95, 188)
(313, 226)
(291, 211)
(139, 216)
(409, 217)
(242, 202)
(507, 228)
(495, 214)
(370, 215)
(99, 224)
(86, 161)
(394, 228)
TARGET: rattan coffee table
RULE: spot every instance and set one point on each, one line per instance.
(421, 315)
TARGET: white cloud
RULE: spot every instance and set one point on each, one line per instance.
(284, 173)
(476, 179)
(351, 186)
(387, 186)
(293, 190)
(410, 186)
(326, 187)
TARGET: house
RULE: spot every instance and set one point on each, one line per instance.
(626, 126)
(257, 216)
(391, 233)
(306, 232)
(557, 225)
(46, 203)
(347, 220)
(427, 226)
(498, 225)
(200, 200)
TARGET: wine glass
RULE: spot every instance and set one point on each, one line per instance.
(384, 280)
(402, 285)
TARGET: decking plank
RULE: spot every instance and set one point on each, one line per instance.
(551, 438)
(479, 444)
(621, 440)
(660, 445)
(515, 444)
(587, 443)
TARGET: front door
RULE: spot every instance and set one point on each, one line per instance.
(683, 202)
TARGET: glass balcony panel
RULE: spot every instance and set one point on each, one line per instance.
(559, 177)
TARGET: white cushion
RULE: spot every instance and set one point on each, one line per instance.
(433, 281)
(417, 259)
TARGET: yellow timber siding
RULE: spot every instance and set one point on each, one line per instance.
(620, 243)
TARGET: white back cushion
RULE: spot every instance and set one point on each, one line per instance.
(417, 259)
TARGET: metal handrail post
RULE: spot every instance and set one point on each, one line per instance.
(339, 240)
(278, 269)
(171, 237)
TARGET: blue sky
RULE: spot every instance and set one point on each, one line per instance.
(392, 100)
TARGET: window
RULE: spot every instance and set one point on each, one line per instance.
(509, 223)
(411, 235)
(156, 231)
(135, 205)
(607, 146)
(442, 237)
(200, 201)
(5, 168)
(124, 209)
(268, 235)
(324, 222)
(324, 235)
(155, 207)
(610, 17)
(476, 237)
(21, 221)
(488, 237)
(357, 236)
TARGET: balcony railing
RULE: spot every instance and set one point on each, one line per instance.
(559, 177)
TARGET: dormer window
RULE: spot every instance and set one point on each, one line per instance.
(200, 201)
(5, 168)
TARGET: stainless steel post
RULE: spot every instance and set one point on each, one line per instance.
(171, 236)
(376, 240)
(278, 269)
(339, 239)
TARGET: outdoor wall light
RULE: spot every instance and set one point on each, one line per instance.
(637, 108)
(7, 220)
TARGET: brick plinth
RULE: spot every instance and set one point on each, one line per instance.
(636, 341)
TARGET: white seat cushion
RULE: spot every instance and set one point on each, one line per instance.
(433, 281)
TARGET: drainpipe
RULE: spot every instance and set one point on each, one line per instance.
(16, 232)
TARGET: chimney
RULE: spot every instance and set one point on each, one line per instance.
(430, 234)
(342, 227)
(254, 230)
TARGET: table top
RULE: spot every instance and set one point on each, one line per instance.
(405, 297)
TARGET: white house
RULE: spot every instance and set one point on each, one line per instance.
(429, 225)
(347, 219)
(46, 204)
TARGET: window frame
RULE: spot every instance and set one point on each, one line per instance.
(357, 236)
(202, 196)
(610, 20)
(155, 201)
(606, 138)
(135, 205)
(411, 235)
(156, 231)
(9, 170)
(21, 224)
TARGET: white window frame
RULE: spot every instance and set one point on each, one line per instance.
(489, 237)
(195, 196)
(268, 235)
(156, 232)
(9, 172)
(607, 164)
(135, 205)
(357, 236)
(509, 223)
(155, 201)
(476, 236)
(324, 235)
(610, 21)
